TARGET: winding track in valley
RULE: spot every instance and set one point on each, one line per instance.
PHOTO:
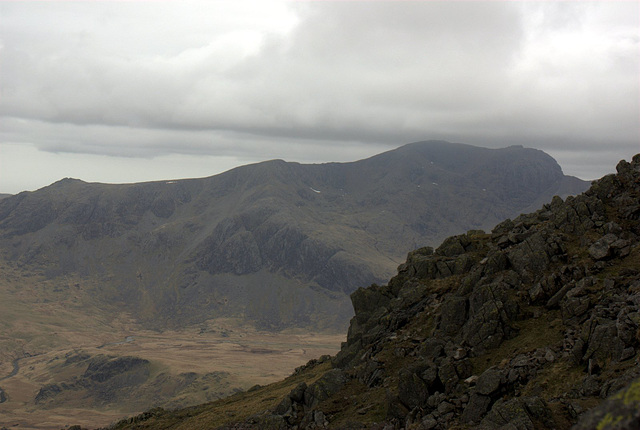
(14, 372)
(16, 369)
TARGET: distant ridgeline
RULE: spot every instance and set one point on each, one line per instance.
(278, 244)
(530, 326)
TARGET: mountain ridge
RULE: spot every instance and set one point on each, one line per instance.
(319, 231)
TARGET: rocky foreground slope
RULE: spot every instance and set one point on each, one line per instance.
(530, 326)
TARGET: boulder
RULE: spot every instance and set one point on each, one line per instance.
(602, 249)
(297, 394)
(453, 246)
(476, 408)
(412, 390)
(523, 413)
(285, 407)
(490, 380)
(604, 343)
(431, 348)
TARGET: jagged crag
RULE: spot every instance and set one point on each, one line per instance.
(530, 326)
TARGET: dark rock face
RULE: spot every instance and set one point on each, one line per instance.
(103, 368)
(104, 380)
(47, 392)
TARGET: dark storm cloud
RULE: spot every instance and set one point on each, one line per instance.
(248, 79)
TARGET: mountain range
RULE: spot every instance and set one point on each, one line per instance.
(276, 243)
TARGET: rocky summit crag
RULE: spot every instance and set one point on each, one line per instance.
(529, 326)
(278, 244)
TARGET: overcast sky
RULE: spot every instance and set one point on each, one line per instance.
(124, 91)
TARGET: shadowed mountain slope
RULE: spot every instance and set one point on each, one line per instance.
(282, 244)
(528, 327)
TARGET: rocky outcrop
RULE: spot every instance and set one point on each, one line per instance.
(47, 392)
(302, 401)
(128, 383)
(105, 379)
(102, 368)
(525, 327)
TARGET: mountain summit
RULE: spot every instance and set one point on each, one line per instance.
(280, 244)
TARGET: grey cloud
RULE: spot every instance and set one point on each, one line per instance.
(127, 142)
(101, 78)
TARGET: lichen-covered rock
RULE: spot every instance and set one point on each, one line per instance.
(487, 328)
(296, 396)
(453, 246)
(620, 412)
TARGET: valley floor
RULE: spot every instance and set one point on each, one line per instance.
(237, 355)
(65, 361)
